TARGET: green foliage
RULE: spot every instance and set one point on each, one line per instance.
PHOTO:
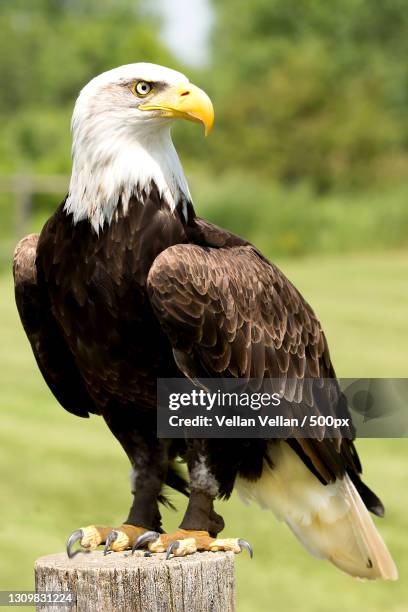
(280, 221)
(296, 222)
(310, 143)
(49, 49)
(312, 90)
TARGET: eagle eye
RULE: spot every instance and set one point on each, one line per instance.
(142, 88)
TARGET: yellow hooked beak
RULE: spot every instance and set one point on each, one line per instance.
(186, 102)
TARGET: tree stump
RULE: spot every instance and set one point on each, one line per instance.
(118, 582)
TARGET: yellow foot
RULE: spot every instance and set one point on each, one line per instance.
(184, 542)
(114, 538)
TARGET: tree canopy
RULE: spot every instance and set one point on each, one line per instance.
(312, 90)
(310, 96)
(304, 90)
(49, 49)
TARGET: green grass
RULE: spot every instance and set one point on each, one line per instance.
(59, 472)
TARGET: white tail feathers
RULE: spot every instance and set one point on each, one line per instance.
(331, 521)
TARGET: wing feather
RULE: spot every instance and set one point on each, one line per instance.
(229, 312)
(50, 350)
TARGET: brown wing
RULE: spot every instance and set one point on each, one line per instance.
(230, 312)
(50, 350)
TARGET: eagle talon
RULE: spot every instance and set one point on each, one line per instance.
(244, 544)
(149, 536)
(76, 536)
(173, 546)
(109, 540)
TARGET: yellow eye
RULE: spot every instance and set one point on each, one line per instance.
(142, 88)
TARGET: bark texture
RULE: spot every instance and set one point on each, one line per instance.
(202, 582)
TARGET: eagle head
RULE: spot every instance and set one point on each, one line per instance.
(121, 139)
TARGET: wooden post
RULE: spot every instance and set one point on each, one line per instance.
(203, 582)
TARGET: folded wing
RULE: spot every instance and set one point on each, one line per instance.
(51, 352)
(229, 312)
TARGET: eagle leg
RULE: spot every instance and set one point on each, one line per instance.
(186, 542)
(205, 542)
(116, 539)
(149, 459)
(201, 524)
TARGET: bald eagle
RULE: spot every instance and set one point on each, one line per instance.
(125, 284)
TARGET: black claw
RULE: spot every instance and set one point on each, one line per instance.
(148, 554)
(244, 544)
(171, 547)
(149, 536)
(76, 536)
(111, 538)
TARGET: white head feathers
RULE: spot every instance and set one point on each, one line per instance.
(119, 150)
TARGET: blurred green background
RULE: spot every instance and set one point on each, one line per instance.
(308, 159)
